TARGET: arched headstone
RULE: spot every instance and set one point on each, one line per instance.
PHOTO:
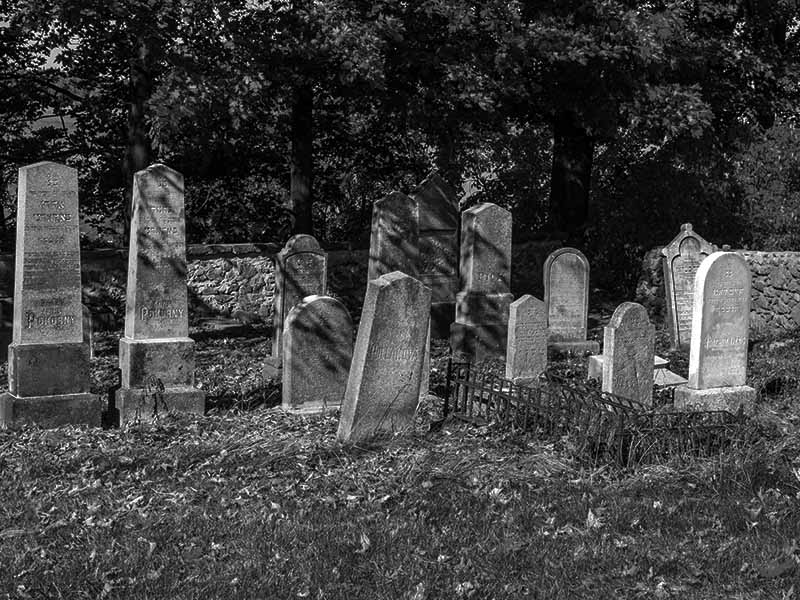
(566, 295)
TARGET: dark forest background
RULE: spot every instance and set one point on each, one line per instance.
(602, 123)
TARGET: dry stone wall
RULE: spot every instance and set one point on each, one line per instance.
(775, 297)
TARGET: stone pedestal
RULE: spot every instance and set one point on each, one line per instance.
(730, 399)
(574, 347)
(595, 370)
(148, 365)
(50, 411)
(481, 328)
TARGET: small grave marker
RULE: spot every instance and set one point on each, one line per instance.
(526, 351)
(628, 350)
(566, 295)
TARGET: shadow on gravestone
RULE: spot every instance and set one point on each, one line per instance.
(48, 361)
(566, 296)
(317, 352)
(394, 237)
(628, 350)
(301, 269)
(482, 306)
(156, 346)
(526, 351)
(383, 385)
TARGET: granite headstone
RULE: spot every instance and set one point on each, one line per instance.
(48, 360)
(317, 351)
(384, 382)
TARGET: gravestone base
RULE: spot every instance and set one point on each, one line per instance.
(50, 411)
(478, 343)
(526, 381)
(44, 369)
(170, 359)
(137, 404)
(442, 316)
(311, 408)
(595, 370)
(726, 398)
(273, 367)
(574, 347)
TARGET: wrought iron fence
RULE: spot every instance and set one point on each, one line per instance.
(597, 425)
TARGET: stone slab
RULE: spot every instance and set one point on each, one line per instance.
(628, 344)
(384, 381)
(137, 404)
(595, 368)
(720, 322)
(50, 411)
(730, 399)
(394, 238)
(485, 261)
(48, 369)
(317, 351)
(478, 343)
(442, 315)
(566, 290)
(477, 308)
(664, 378)
(681, 259)
(170, 360)
(273, 367)
(526, 347)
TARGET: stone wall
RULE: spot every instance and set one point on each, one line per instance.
(237, 280)
(775, 298)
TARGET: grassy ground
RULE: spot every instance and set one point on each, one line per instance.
(259, 504)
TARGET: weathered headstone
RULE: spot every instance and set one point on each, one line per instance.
(566, 295)
(526, 351)
(482, 305)
(394, 240)
(438, 249)
(156, 356)
(681, 259)
(628, 350)
(317, 350)
(384, 382)
(720, 334)
(48, 361)
(301, 269)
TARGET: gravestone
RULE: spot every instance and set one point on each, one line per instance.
(681, 259)
(156, 355)
(720, 334)
(48, 361)
(566, 296)
(301, 269)
(628, 350)
(438, 249)
(526, 351)
(394, 239)
(482, 305)
(317, 350)
(384, 381)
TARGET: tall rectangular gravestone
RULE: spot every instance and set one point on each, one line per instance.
(481, 328)
(720, 334)
(628, 350)
(681, 259)
(566, 295)
(156, 356)
(383, 386)
(301, 269)
(438, 249)
(48, 361)
(526, 351)
(317, 351)
(394, 239)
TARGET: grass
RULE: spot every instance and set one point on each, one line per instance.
(261, 504)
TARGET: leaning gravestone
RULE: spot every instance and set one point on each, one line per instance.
(384, 382)
(628, 350)
(681, 259)
(48, 361)
(720, 334)
(482, 305)
(317, 350)
(438, 249)
(394, 239)
(526, 351)
(566, 295)
(301, 269)
(156, 356)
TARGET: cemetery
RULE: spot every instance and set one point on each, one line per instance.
(511, 318)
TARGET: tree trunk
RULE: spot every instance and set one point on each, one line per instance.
(570, 180)
(139, 151)
(302, 163)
